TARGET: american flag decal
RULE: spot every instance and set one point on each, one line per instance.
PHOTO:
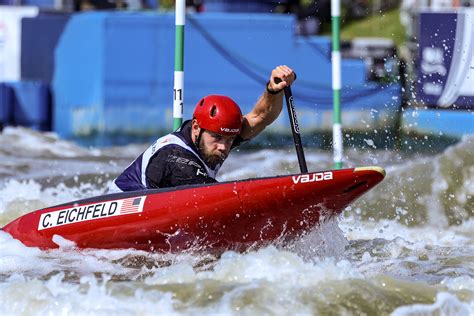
(132, 205)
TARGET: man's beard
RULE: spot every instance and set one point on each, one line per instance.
(210, 159)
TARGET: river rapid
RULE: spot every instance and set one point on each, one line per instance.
(404, 248)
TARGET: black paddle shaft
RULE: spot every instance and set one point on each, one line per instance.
(295, 128)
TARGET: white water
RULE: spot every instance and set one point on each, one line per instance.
(406, 248)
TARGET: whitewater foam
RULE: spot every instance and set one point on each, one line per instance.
(446, 304)
(385, 257)
(20, 141)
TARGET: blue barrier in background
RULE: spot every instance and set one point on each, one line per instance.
(453, 124)
(263, 6)
(28, 104)
(43, 4)
(38, 43)
(6, 104)
(114, 72)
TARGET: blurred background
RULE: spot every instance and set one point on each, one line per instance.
(86, 85)
(100, 72)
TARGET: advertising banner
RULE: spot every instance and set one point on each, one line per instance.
(10, 40)
(446, 59)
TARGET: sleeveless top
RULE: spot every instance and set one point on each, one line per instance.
(171, 160)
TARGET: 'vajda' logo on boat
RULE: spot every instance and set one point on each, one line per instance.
(314, 177)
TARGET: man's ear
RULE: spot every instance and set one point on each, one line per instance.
(195, 129)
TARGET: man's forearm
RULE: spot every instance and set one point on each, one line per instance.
(265, 112)
(268, 107)
(269, 104)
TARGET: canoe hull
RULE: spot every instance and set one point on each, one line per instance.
(230, 215)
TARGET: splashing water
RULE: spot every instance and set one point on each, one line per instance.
(405, 248)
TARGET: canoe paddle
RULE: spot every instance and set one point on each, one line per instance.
(295, 128)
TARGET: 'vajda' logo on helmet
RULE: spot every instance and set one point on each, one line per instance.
(230, 130)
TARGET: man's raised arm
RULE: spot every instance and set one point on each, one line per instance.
(269, 105)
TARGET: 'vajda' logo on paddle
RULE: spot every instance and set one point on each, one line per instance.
(314, 177)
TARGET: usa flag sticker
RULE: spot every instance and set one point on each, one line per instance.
(132, 205)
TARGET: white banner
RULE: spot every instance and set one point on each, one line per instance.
(10, 40)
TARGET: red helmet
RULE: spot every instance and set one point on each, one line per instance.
(219, 114)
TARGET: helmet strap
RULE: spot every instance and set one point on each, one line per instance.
(198, 139)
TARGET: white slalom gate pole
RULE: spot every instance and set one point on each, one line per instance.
(336, 84)
(178, 89)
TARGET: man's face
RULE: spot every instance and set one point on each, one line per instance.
(214, 148)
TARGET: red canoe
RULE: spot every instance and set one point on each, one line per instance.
(221, 216)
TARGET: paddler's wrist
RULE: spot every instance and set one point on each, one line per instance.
(272, 92)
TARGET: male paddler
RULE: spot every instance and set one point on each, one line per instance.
(194, 153)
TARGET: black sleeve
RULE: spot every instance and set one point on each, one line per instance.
(238, 141)
(172, 166)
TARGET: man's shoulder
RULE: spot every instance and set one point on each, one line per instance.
(167, 142)
(239, 141)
